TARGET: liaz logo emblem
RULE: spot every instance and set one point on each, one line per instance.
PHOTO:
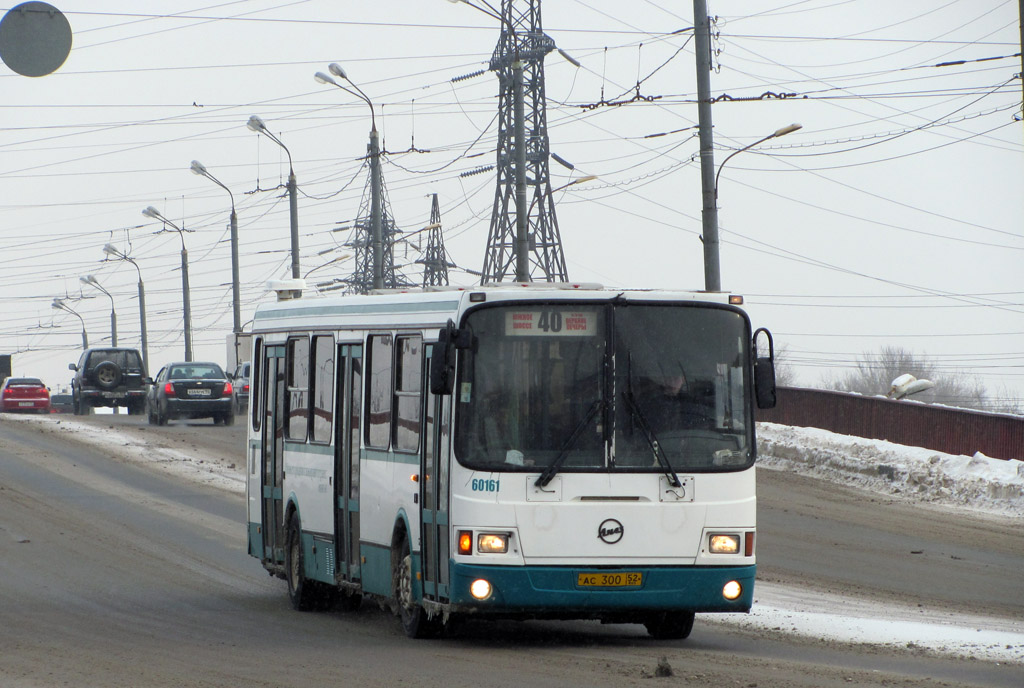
(610, 531)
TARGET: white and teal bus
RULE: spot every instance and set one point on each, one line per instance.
(516, 451)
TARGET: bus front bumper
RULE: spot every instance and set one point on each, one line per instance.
(556, 591)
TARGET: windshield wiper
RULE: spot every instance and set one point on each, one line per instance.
(652, 439)
(636, 414)
(553, 467)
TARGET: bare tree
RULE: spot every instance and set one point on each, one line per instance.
(876, 371)
(785, 373)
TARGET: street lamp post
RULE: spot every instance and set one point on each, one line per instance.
(153, 213)
(376, 183)
(92, 281)
(236, 304)
(61, 305)
(712, 267)
(775, 134)
(111, 250)
(257, 125)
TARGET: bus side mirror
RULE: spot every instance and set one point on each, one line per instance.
(442, 362)
(764, 373)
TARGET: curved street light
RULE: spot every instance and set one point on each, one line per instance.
(114, 252)
(256, 124)
(92, 281)
(376, 183)
(777, 133)
(236, 301)
(709, 214)
(186, 303)
(61, 305)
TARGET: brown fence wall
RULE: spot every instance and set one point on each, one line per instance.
(953, 431)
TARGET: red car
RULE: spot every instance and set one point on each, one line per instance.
(24, 394)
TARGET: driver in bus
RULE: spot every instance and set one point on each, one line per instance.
(672, 404)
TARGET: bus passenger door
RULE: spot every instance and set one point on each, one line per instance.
(272, 469)
(346, 460)
(433, 492)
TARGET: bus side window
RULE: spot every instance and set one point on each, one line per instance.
(409, 364)
(256, 379)
(297, 396)
(323, 388)
(378, 391)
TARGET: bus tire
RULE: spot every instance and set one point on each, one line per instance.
(414, 619)
(670, 625)
(301, 592)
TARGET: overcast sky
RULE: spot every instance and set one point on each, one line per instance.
(894, 217)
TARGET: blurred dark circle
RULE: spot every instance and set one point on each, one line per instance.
(35, 39)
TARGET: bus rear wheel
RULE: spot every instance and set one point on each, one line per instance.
(670, 625)
(301, 592)
(414, 619)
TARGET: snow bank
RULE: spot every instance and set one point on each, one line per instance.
(974, 482)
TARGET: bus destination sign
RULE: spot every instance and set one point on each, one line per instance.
(551, 322)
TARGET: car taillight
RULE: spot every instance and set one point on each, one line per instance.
(228, 389)
(169, 388)
(245, 388)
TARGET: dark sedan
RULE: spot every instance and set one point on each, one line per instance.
(190, 390)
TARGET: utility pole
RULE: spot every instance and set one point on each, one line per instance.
(523, 241)
(1020, 25)
(709, 209)
(376, 213)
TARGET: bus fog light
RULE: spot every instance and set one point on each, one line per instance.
(732, 590)
(480, 589)
(492, 543)
(724, 544)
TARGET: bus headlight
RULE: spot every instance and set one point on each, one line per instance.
(732, 590)
(480, 589)
(492, 543)
(719, 543)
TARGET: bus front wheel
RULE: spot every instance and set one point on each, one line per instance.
(414, 619)
(670, 625)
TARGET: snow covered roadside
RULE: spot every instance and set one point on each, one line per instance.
(977, 483)
(837, 619)
(132, 443)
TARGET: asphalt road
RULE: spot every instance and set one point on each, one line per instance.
(113, 574)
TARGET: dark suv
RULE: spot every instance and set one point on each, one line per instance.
(112, 377)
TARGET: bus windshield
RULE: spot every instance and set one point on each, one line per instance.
(619, 386)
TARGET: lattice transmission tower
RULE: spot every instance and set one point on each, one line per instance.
(522, 40)
(361, 281)
(435, 258)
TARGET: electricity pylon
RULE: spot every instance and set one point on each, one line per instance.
(361, 281)
(435, 259)
(523, 243)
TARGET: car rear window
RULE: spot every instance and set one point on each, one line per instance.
(194, 372)
(24, 382)
(123, 359)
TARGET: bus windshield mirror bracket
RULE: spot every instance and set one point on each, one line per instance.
(553, 467)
